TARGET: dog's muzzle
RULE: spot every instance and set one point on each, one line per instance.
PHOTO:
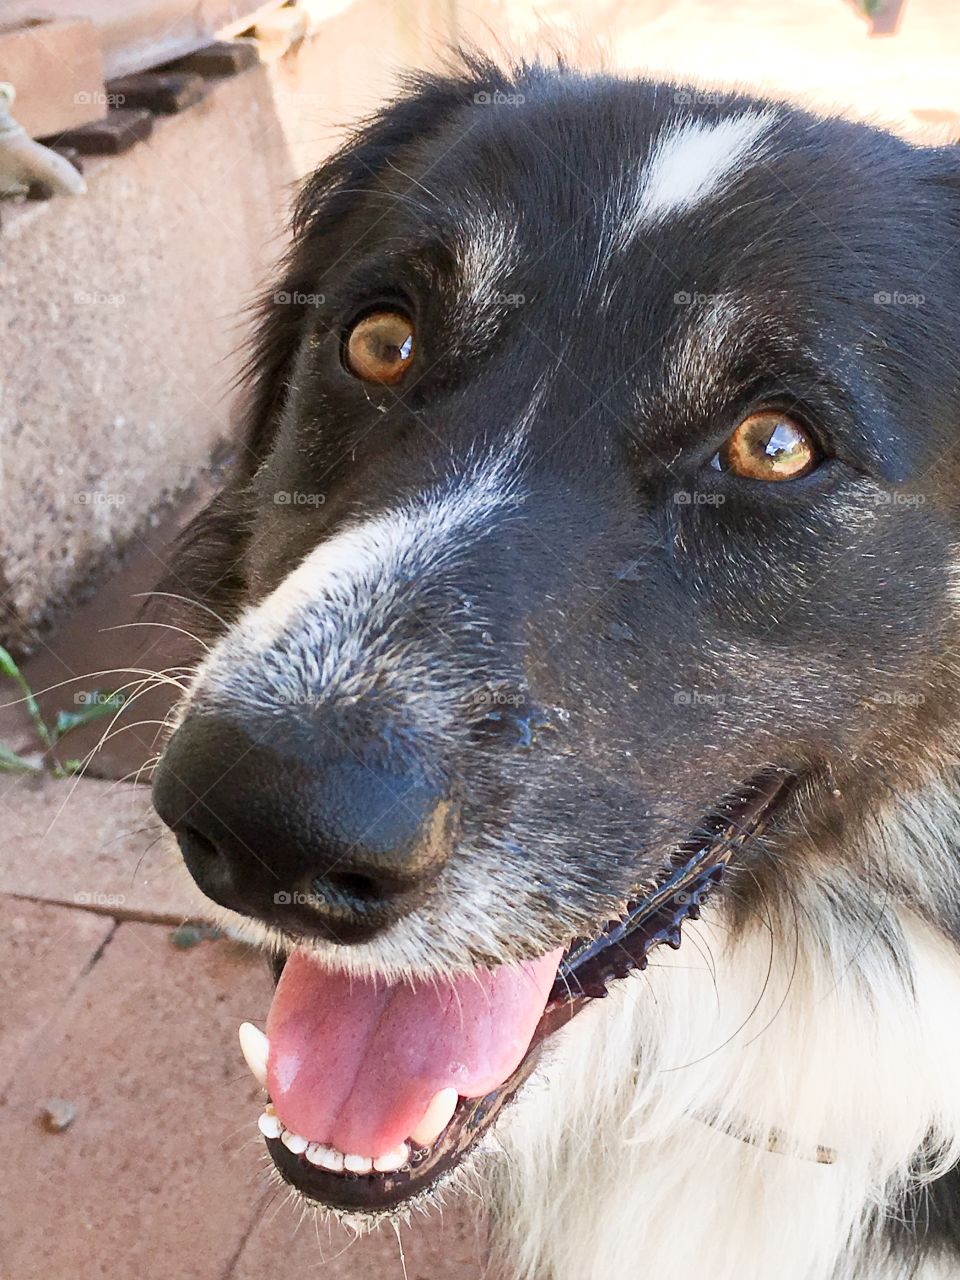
(379, 1088)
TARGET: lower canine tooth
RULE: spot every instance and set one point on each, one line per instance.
(436, 1118)
(325, 1157)
(293, 1142)
(269, 1125)
(357, 1164)
(393, 1160)
(255, 1046)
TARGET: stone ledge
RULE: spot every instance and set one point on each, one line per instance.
(124, 311)
(57, 71)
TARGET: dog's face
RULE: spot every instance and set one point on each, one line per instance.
(602, 462)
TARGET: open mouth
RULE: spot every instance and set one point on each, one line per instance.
(378, 1092)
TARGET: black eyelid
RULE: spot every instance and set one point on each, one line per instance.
(396, 302)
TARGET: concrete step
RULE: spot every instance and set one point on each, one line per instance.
(106, 645)
(124, 311)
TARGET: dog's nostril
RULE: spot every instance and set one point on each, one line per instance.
(348, 891)
(208, 862)
(356, 886)
(197, 843)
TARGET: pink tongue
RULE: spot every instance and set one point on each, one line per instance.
(355, 1063)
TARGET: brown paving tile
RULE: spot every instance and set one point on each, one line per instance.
(153, 1179)
(160, 1174)
(440, 1247)
(44, 951)
(93, 845)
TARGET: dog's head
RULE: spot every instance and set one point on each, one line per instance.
(602, 466)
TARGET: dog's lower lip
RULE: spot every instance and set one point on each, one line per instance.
(381, 1193)
(586, 970)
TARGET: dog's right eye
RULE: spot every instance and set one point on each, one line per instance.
(769, 446)
(380, 347)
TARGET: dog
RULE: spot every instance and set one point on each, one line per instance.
(587, 580)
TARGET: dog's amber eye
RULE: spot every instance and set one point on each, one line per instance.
(379, 348)
(769, 446)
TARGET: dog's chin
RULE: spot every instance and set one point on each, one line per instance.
(583, 972)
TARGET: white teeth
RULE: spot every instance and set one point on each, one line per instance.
(325, 1157)
(393, 1160)
(255, 1047)
(293, 1142)
(269, 1125)
(436, 1118)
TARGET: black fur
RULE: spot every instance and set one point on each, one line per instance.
(926, 1225)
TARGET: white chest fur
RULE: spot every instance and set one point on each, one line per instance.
(828, 1037)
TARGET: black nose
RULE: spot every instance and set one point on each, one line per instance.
(308, 837)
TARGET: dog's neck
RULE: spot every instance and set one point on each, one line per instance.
(802, 1026)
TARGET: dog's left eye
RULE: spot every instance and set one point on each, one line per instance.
(379, 348)
(768, 446)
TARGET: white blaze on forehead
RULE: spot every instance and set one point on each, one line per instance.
(691, 161)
